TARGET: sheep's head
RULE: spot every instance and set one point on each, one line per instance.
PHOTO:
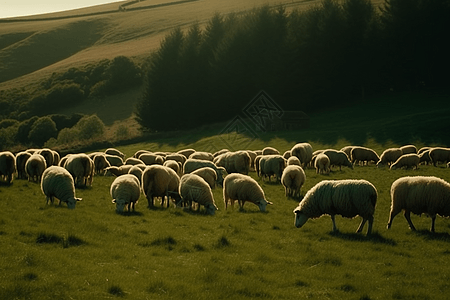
(120, 205)
(211, 208)
(300, 218)
(71, 202)
(262, 204)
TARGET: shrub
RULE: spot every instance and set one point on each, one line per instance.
(42, 130)
(90, 127)
(24, 130)
(8, 123)
(67, 136)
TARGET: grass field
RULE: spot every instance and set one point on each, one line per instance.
(91, 252)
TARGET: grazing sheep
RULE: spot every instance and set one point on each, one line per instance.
(125, 191)
(202, 155)
(114, 160)
(151, 159)
(186, 152)
(140, 152)
(363, 155)
(424, 157)
(338, 158)
(117, 171)
(407, 149)
(7, 166)
(258, 152)
(48, 155)
(176, 157)
(137, 172)
(21, 160)
(133, 161)
(408, 160)
(271, 165)
(389, 156)
(80, 166)
(293, 179)
(243, 188)
(100, 163)
(56, 158)
(348, 150)
(35, 167)
(304, 153)
(423, 149)
(293, 160)
(114, 151)
(287, 154)
(174, 165)
(160, 181)
(417, 195)
(252, 155)
(440, 154)
(347, 198)
(322, 164)
(234, 162)
(270, 151)
(58, 182)
(193, 164)
(208, 174)
(194, 188)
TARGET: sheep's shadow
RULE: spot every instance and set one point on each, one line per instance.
(130, 213)
(374, 237)
(4, 183)
(435, 236)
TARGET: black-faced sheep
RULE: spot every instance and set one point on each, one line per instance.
(418, 195)
(125, 191)
(243, 188)
(58, 182)
(304, 153)
(194, 188)
(160, 181)
(7, 166)
(348, 198)
(389, 156)
(35, 167)
(293, 179)
(271, 165)
(410, 160)
(363, 155)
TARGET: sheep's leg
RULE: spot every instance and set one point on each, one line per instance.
(361, 226)
(392, 215)
(408, 218)
(369, 229)
(333, 217)
(433, 220)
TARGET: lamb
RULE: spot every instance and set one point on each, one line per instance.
(35, 167)
(440, 154)
(208, 174)
(194, 188)
(193, 164)
(347, 198)
(303, 151)
(407, 149)
(243, 188)
(322, 164)
(100, 163)
(202, 155)
(7, 166)
(234, 162)
(293, 160)
(151, 159)
(270, 151)
(338, 158)
(160, 181)
(363, 155)
(80, 166)
(408, 160)
(293, 179)
(114, 151)
(58, 182)
(125, 191)
(272, 165)
(417, 195)
(21, 160)
(389, 156)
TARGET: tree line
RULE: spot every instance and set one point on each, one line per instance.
(333, 54)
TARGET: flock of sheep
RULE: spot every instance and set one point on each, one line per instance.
(187, 178)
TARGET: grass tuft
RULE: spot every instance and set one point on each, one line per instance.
(222, 242)
(116, 291)
(46, 238)
(30, 276)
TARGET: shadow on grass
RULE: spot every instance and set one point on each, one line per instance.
(434, 236)
(66, 241)
(130, 213)
(375, 238)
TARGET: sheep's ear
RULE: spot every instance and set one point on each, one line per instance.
(113, 201)
(78, 199)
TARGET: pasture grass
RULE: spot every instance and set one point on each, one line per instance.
(49, 251)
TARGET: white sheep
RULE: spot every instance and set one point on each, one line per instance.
(208, 174)
(439, 154)
(293, 160)
(348, 150)
(117, 171)
(100, 163)
(140, 152)
(202, 155)
(194, 188)
(234, 162)
(116, 152)
(133, 161)
(322, 164)
(389, 156)
(125, 191)
(408, 160)
(287, 154)
(418, 195)
(424, 157)
(186, 152)
(363, 155)
(58, 182)
(21, 160)
(48, 155)
(160, 181)
(137, 171)
(81, 167)
(271, 165)
(176, 157)
(270, 151)
(304, 153)
(7, 166)
(114, 160)
(347, 198)
(35, 167)
(407, 149)
(222, 151)
(338, 158)
(174, 165)
(243, 188)
(252, 155)
(151, 159)
(293, 179)
(193, 164)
